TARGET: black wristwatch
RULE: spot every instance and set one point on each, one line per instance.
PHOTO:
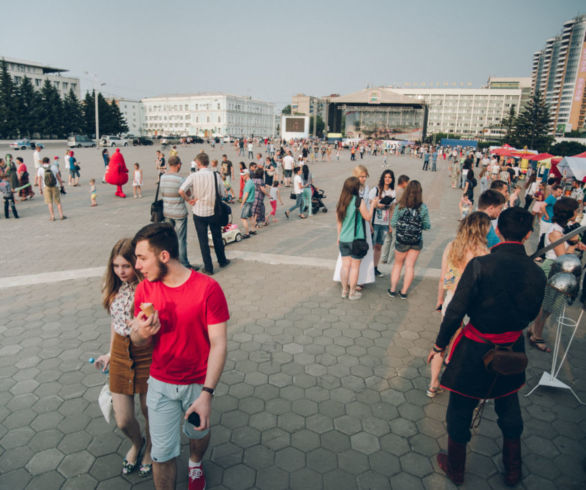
(209, 390)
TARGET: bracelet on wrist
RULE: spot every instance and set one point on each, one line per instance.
(437, 349)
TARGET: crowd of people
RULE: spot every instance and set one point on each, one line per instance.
(486, 276)
(163, 311)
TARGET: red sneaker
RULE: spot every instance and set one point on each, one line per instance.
(197, 478)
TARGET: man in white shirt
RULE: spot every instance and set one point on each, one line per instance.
(250, 148)
(298, 190)
(47, 179)
(288, 163)
(205, 185)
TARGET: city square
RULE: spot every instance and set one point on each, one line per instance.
(317, 392)
(293, 246)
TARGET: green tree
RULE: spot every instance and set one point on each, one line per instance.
(8, 107)
(118, 121)
(286, 110)
(73, 122)
(320, 125)
(567, 148)
(27, 106)
(50, 116)
(89, 113)
(532, 126)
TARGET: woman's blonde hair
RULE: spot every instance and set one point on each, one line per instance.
(360, 169)
(112, 282)
(471, 239)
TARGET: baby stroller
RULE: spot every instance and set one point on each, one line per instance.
(317, 197)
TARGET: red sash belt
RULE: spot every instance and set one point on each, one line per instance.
(496, 338)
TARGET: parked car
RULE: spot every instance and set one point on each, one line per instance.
(80, 141)
(24, 144)
(113, 141)
(141, 140)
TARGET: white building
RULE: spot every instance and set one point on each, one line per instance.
(133, 112)
(463, 111)
(212, 113)
(38, 73)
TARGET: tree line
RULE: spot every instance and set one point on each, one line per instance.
(28, 113)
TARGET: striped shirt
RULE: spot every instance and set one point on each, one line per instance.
(173, 204)
(202, 190)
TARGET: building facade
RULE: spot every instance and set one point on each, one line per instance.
(463, 111)
(308, 105)
(133, 112)
(559, 73)
(207, 114)
(38, 73)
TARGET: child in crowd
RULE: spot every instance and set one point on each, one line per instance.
(229, 197)
(93, 193)
(243, 172)
(137, 181)
(539, 204)
(6, 190)
(274, 196)
(465, 206)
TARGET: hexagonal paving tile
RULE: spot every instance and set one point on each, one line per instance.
(44, 461)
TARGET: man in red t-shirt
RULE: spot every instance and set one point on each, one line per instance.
(188, 333)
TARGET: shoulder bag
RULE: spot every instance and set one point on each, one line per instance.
(359, 245)
(157, 207)
(222, 211)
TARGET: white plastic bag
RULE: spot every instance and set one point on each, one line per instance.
(105, 402)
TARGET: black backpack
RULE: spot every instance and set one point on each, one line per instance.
(409, 227)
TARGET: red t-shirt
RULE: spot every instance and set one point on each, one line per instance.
(182, 346)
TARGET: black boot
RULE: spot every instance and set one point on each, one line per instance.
(453, 463)
(512, 461)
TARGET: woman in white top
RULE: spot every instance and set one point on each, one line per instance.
(565, 211)
(128, 364)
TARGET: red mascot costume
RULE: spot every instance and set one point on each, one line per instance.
(117, 173)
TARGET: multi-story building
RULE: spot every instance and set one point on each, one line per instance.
(559, 73)
(211, 113)
(38, 73)
(506, 83)
(465, 111)
(308, 105)
(133, 112)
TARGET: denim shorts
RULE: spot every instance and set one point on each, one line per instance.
(346, 250)
(167, 405)
(379, 234)
(246, 210)
(403, 247)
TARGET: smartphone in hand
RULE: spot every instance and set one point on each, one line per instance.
(194, 419)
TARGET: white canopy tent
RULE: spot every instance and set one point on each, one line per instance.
(573, 166)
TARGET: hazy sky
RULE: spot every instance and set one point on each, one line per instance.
(273, 49)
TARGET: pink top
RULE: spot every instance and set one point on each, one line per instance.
(21, 168)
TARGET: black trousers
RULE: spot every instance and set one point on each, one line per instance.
(9, 203)
(461, 408)
(201, 228)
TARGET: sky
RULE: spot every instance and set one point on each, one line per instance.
(274, 49)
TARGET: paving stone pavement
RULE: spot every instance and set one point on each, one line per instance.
(318, 392)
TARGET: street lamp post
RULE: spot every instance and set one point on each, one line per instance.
(97, 85)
